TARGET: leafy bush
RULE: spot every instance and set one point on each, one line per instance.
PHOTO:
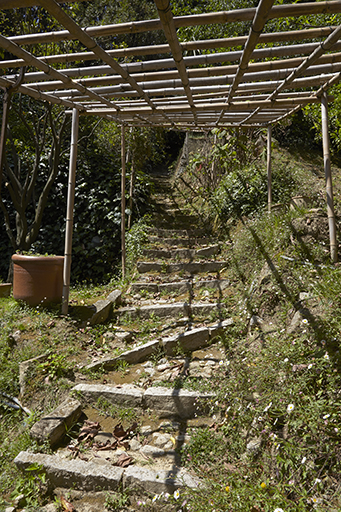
(244, 192)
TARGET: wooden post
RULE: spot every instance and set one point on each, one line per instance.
(69, 211)
(268, 163)
(123, 200)
(328, 175)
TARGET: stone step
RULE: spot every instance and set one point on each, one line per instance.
(182, 254)
(180, 242)
(180, 286)
(174, 217)
(102, 475)
(192, 267)
(184, 233)
(189, 341)
(167, 402)
(169, 310)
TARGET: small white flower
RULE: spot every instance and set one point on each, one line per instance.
(286, 360)
(326, 416)
(221, 362)
(310, 366)
(317, 481)
(336, 430)
(326, 356)
(176, 495)
(304, 321)
(290, 408)
(156, 497)
(303, 460)
(278, 510)
(268, 407)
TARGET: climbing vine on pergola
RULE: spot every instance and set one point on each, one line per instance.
(267, 79)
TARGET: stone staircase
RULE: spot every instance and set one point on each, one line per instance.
(166, 334)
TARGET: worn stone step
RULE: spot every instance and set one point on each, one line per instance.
(180, 242)
(192, 267)
(189, 341)
(173, 219)
(180, 286)
(91, 476)
(167, 402)
(168, 310)
(183, 233)
(182, 254)
(52, 428)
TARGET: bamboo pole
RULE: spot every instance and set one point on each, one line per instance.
(58, 13)
(40, 95)
(323, 47)
(279, 11)
(209, 44)
(166, 18)
(328, 175)
(69, 212)
(6, 103)
(234, 106)
(164, 88)
(132, 178)
(18, 4)
(117, 85)
(268, 164)
(258, 23)
(33, 61)
(123, 200)
(198, 60)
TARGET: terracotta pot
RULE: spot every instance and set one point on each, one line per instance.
(5, 289)
(37, 279)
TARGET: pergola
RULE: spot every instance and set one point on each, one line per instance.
(196, 85)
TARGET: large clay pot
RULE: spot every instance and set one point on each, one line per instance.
(37, 279)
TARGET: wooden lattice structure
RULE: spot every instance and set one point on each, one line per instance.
(268, 78)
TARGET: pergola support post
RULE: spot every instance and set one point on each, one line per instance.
(69, 211)
(123, 201)
(268, 166)
(5, 109)
(328, 176)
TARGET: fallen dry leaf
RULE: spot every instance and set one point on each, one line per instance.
(67, 505)
(89, 430)
(123, 461)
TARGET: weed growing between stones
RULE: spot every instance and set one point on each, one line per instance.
(136, 239)
(105, 408)
(115, 501)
